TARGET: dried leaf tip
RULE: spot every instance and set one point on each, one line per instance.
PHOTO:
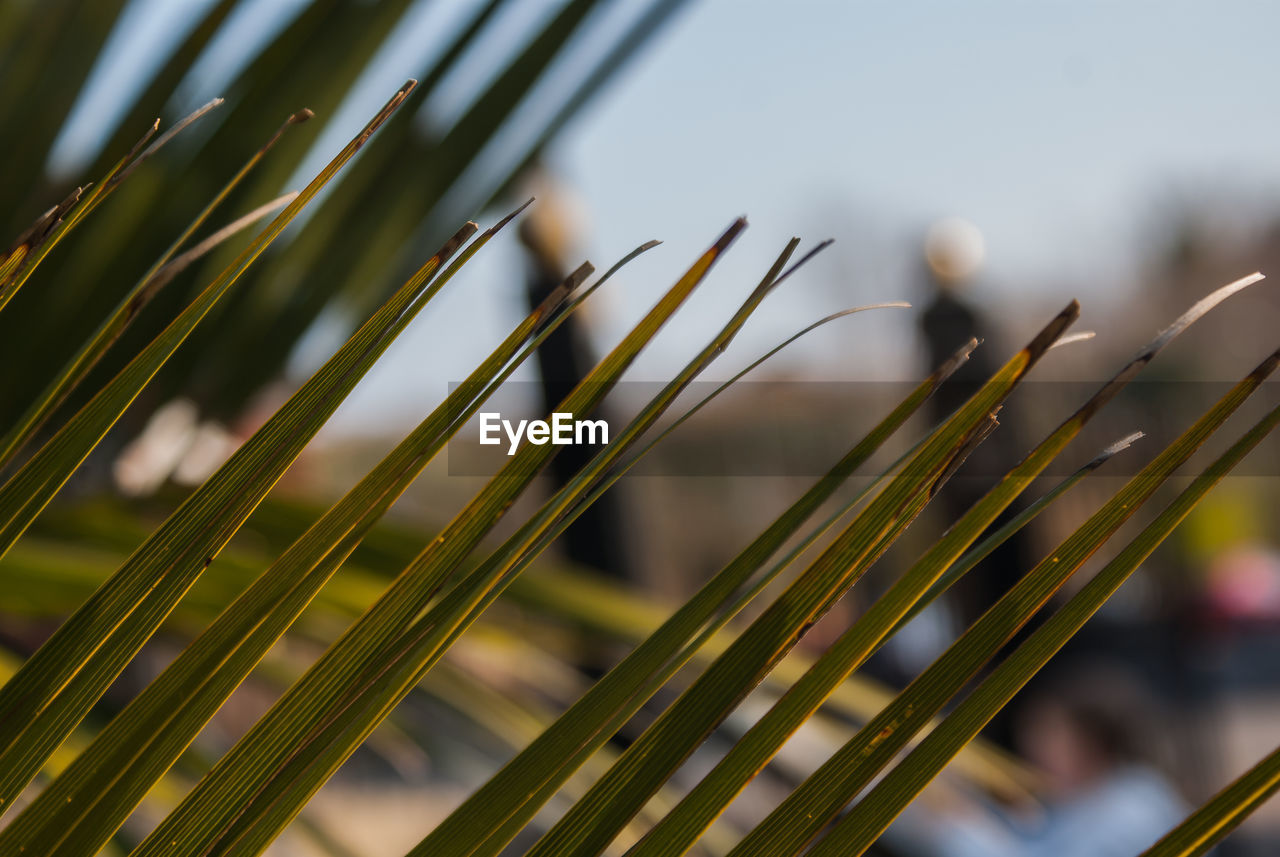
(146, 138)
(1045, 338)
(729, 235)
(382, 115)
(955, 361)
(528, 202)
(1124, 443)
(972, 441)
(1119, 446)
(457, 240)
(294, 119)
(1198, 309)
(803, 260)
(558, 295)
(1266, 367)
(1081, 336)
(510, 217)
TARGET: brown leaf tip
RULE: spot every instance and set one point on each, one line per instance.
(956, 360)
(1049, 335)
(493, 230)
(734, 230)
(586, 269)
(457, 240)
(1266, 367)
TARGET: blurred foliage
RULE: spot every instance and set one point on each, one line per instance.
(414, 180)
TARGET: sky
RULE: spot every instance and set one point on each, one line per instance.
(1064, 130)
(1060, 129)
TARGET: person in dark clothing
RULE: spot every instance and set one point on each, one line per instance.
(597, 539)
(952, 256)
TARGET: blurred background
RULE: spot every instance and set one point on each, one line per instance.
(985, 161)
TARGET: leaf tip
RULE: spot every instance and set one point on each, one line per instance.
(731, 233)
(510, 217)
(955, 361)
(1045, 339)
(1118, 446)
(1081, 336)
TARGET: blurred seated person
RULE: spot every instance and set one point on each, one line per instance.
(1091, 736)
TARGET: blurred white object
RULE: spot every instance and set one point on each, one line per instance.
(954, 249)
(209, 448)
(149, 458)
(173, 445)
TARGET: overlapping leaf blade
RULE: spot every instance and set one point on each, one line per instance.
(218, 800)
(853, 766)
(593, 821)
(83, 807)
(55, 687)
(677, 832)
(855, 833)
(110, 330)
(1201, 830)
(492, 816)
(30, 489)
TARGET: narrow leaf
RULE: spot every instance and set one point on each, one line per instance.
(56, 686)
(151, 282)
(592, 823)
(82, 808)
(1223, 813)
(495, 812)
(851, 768)
(204, 816)
(873, 814)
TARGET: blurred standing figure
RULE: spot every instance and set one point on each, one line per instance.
(953, 254)
(597, 538)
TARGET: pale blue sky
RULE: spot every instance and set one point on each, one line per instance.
(1060, 128)
(1056, 127)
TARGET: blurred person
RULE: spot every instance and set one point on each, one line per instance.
(953, 254)
(1095, 737)
(597, 539)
